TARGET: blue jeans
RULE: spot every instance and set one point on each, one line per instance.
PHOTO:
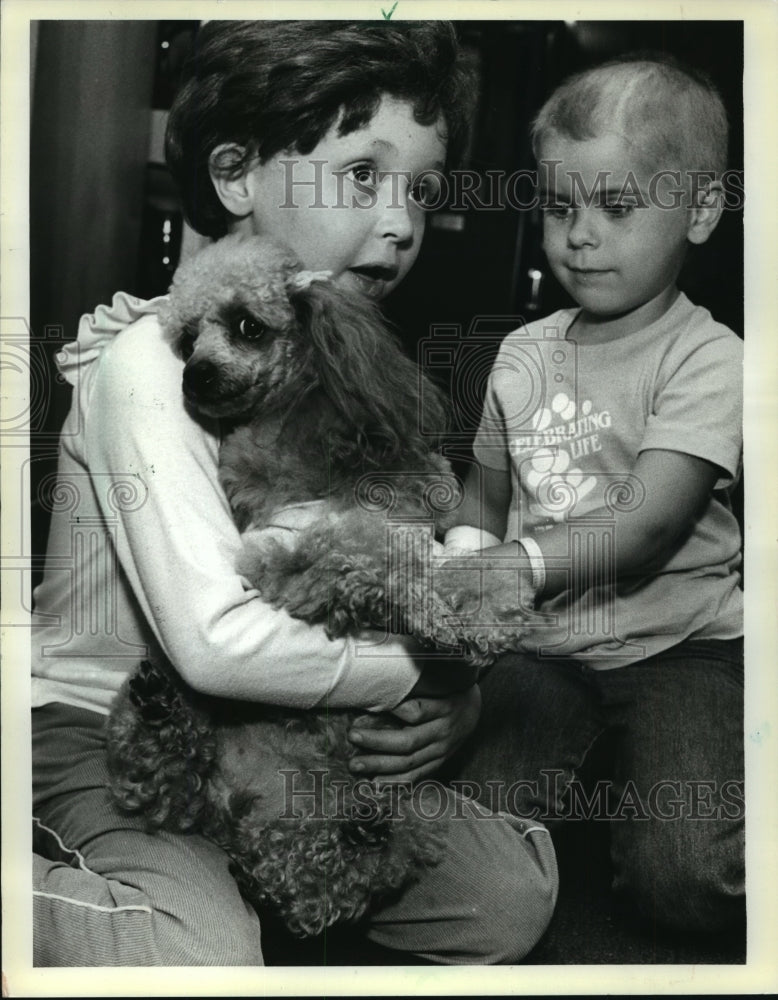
(106, 892)
(673, 793)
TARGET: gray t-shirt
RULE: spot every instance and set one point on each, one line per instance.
(569, 420)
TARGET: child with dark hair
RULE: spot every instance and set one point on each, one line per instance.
(255, 94)
(610, 440)
(365, 115)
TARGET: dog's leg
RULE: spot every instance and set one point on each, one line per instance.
(491, 606)
(324, 574)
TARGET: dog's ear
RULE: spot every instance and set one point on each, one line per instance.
(370, 380)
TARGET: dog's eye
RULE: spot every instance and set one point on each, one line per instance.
(250, 328)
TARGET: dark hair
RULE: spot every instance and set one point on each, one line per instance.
(279, 86)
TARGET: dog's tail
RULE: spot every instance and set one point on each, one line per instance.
(161, 750)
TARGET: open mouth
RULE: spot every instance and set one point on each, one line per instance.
(373, 279)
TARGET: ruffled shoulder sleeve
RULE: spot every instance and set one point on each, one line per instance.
(97, 329)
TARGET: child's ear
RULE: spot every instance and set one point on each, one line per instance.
(705, 215)
(232, 184)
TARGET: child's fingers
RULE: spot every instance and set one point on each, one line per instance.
(423, 744)
(416, 710)
(420, 709)
(368, 721)
(401, 742)
(394, 765)
(428, 770)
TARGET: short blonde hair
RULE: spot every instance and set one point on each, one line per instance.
(676, 114)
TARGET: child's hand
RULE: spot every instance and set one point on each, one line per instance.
(433, 729)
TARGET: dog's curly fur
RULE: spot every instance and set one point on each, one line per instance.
(325, 406)
(273, 789)
(320, 404)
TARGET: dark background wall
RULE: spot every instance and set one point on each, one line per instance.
(104, 216)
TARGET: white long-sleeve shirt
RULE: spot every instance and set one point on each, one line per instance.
(142, 550)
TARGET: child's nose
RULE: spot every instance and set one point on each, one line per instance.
(394, 208)
(583, 229)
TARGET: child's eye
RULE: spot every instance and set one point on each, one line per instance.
(365, 174)
(427, 191)
(618, 211)
(557, 211)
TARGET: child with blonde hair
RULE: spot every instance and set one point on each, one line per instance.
(610, 441)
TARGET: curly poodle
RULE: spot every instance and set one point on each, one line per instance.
(273, 789)
(329, 465)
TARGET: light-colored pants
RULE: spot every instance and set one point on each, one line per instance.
(108, 893)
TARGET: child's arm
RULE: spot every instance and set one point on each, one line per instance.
(677, 487)
(179, 549)
(692, 439)
(482, 517)
(443, 708)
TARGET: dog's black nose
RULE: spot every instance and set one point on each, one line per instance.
(200, 379)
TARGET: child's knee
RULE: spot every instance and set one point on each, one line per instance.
(522, 906)
(83, 919)
(487, 902)
(693, 887)
(694, 901)
(221, 937)
(516, 891)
